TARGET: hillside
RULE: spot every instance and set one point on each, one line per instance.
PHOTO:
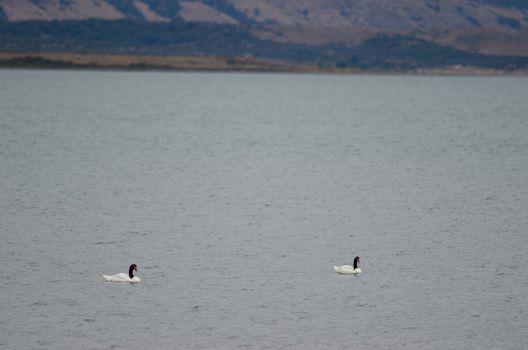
(380, 15)
(327, 32)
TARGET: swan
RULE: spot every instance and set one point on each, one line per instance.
(123, 277)
(347, 269)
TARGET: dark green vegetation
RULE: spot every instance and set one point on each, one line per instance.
(394, 52)
(519, 4)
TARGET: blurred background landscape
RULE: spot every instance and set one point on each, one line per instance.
(404, 35)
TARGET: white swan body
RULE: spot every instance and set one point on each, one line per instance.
(347, 269)
(123, 277)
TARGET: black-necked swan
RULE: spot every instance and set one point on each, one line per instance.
(123, 277)
(347, 269)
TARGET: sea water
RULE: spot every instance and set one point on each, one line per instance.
(235, 194)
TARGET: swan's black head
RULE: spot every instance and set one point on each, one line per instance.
(356, 262)
(131, 270)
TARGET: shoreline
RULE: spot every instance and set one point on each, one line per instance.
(182, 63)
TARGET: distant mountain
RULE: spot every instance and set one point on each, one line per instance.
(379, 15)
(295, 30)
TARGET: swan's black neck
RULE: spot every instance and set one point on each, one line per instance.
(131, 271)
(356, 263)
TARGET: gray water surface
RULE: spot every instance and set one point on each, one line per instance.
(237, 193)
